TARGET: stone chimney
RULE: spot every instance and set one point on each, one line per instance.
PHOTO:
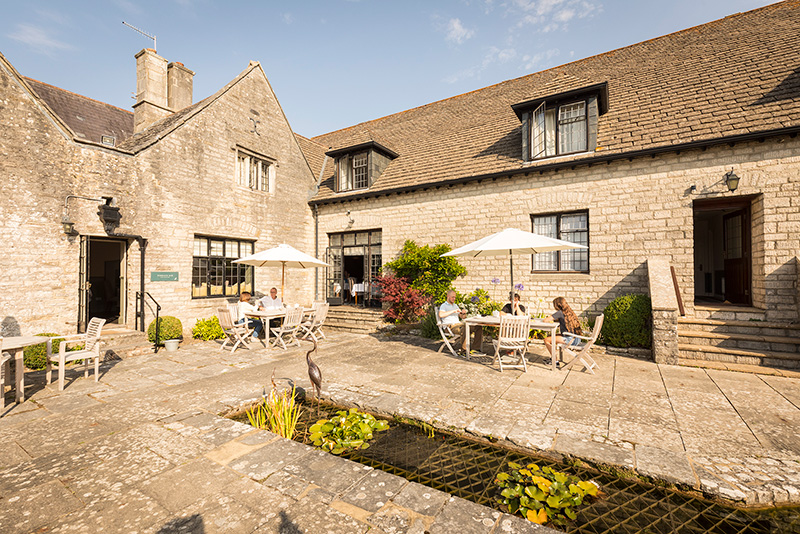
(179, 86)
(151, 89)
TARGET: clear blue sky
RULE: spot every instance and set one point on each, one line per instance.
(332, 63)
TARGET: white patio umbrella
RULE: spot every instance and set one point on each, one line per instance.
(510, 241)
(282, 256)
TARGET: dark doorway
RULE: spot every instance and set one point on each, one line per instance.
(105, 274)
(722, 251)
(355, 259)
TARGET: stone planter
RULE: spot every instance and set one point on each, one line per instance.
(171, 344)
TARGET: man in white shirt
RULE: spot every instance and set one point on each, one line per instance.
(271, 301)
(451, 315)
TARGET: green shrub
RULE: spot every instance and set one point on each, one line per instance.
(542, 495)
(347, 430)
(426, 270)
(207, 329)
(170, 328)
(428, 326)
(478, 302)
(628, 322)
(35, 356)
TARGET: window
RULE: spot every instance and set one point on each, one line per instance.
(353, 171)
(572, 227)
(559, 129)
(563, 123)
(254, 172)
(213, 272)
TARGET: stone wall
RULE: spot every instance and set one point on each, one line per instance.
(182, 185)
(665, 311)
(637, 208)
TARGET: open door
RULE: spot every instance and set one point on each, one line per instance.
(83, 285)
(736, 239)
(334, 280)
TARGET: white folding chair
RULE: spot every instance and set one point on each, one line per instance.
(289, 328)
(446, 332)
(582, 355)
(90, 351)
(313, 325)
(236, 334)
(5, 373)
(513, 337)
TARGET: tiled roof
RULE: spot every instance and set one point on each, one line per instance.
(314, 153)
(88, 118)
(738, 75)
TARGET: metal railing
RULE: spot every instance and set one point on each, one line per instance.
(141, 297)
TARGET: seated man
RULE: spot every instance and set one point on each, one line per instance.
(518, 309)
(246, 307)
(451, 315)
(271, 301)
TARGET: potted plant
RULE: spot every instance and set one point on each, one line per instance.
(170, 330)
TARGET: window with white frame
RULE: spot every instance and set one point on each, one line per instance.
(572, 227)
(254, 172)
(559, 129)
(353, 171)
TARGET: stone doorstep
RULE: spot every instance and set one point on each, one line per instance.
(739, 324)
(788, 356)
(739, 337)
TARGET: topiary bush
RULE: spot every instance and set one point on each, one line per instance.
(207, 329)
(628, 322)
(35, 356)
(170, 328)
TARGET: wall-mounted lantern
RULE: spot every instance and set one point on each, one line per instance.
(732, 181)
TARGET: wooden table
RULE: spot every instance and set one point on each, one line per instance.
(272, 313)
(491, 320)
(14, 346)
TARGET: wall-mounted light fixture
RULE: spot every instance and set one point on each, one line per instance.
(66, 224)
(350, 220)
(692, 189)
(732, 181)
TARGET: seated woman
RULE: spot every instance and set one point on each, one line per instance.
(567, 322)
(245, 307)
(518, 309)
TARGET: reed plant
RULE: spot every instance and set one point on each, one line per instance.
(277, 413)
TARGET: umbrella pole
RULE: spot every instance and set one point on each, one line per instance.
(283, 272)
(511, 264)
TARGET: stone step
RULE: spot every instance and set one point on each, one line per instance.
(350, 328)
(739, 341)
(692, 351)
(730, 313)
(765, 328)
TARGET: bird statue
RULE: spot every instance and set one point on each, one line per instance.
(314, 373)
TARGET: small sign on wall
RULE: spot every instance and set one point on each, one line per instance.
(163, 276)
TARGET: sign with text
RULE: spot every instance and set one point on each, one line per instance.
(164, 276)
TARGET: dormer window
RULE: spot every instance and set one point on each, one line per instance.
(352, 171)
(358, 166)
(562, 124)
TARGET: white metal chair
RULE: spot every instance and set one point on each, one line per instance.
(289, 328)
(236, 334)
(90, 351)
(513, 336)
(313, 325)
(446, 332)
(582, 355)
(5, 373)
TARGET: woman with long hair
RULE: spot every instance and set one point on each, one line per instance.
(568, 324)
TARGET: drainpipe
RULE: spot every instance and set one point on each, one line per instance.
(316, 251)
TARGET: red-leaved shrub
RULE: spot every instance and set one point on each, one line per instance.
(406, 305)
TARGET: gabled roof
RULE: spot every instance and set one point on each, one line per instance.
(736, 76)
(87, 118)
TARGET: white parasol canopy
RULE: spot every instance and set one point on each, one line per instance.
(282, 256)
(510, 241)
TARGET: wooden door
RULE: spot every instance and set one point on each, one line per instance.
(736, 237)
(334, 277)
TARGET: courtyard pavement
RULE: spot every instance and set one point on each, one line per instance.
(145, 450)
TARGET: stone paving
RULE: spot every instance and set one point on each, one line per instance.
(145, 450)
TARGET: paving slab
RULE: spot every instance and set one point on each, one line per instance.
(327, 471)
(374, 490)
(270, 458)
(594, 451)
(665, 465)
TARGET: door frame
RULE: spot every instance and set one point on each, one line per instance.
(743, 203)
(83, 278)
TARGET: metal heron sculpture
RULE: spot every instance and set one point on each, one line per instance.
(314, 373)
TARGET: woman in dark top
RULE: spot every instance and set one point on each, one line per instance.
(519, 309)
(567, 322)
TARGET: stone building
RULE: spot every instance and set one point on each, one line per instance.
(161, 200)
(681, 151)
